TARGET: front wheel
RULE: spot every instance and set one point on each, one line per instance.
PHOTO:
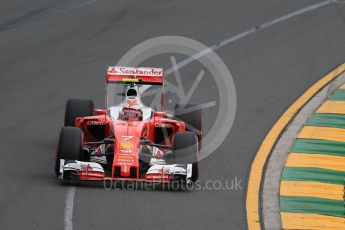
(185, 151)
(69, 146)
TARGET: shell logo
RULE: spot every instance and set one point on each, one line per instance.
(126, 144)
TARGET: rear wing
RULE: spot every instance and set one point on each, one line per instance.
(140, 75)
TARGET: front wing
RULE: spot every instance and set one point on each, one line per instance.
(90, 171)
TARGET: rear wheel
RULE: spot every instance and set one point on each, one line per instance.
(69, 146)
(185, 151)
(193, 119)
(77, 108)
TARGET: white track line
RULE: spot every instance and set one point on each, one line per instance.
(68, 210)
(68, 215)
(247, 33)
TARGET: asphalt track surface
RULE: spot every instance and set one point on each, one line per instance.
(54, 50)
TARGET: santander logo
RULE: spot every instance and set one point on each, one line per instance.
(131, 71)
(112, 70)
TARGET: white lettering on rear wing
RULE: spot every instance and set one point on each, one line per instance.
(131, 71)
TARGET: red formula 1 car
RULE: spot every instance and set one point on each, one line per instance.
(128, 141)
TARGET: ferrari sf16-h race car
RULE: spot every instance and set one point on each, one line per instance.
(129, 141)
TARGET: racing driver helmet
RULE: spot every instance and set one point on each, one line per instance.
(132, 96)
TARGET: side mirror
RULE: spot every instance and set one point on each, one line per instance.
(168, 154)
(144, 142)
(108, 141)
